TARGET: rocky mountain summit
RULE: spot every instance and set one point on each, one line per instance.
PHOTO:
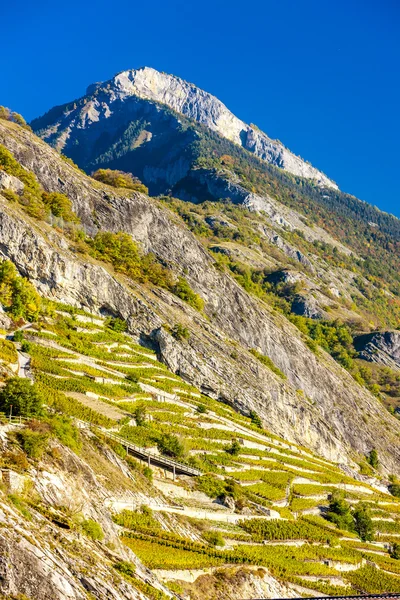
(110, 101)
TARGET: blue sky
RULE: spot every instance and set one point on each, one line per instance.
(322, 76)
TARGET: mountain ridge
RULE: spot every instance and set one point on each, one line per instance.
(188, 100)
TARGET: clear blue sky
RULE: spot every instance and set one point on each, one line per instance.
(323, 76)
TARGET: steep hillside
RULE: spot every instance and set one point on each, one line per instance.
(315, 402)
(90, 519)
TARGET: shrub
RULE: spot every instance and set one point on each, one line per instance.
(148, 473)
(25, 346)
(120, 179)
(372, 459)
(363, 523)
(201, 409)
(132, 377)
(17, 294)
(214, 538)
(339, 512)
(140, 415)
(92, 529)
(179, 332)
(169, 445)
(183, 290)
(115, 324)
(8, 352)
(126, 568)
(8, 115)
(33, 443)
(394, 489)
(234, 449)
(60, 206)
(63, 429)
(395, 551)
(23, 397)
(210, 485)
(255, 419)
(18, 336)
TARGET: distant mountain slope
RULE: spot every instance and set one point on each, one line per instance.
(110, 103)
(120, 125)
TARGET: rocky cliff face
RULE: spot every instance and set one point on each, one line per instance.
(380, 347)
(331, 414)
(116, 100)
(42, 558)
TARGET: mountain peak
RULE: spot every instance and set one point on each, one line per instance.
(184, 98)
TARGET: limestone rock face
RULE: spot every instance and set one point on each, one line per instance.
(382, 347)
(9, 182)
(105, 99)
(306, 306)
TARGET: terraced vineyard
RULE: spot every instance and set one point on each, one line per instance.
(260, 500)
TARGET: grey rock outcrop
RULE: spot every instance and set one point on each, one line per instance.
(381, 347)
(9, 182)
(307, 306)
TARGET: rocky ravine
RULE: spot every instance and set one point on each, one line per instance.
(102, 100)
(333, 415)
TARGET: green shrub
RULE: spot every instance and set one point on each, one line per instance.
(183, 290)
(18, 336)
(372, 459)
(120, 179)
(339, 512)
(92, 529)
(140, 415)
(116, 324)
(267, 362)
(21, 397)
(60, 206)
(64, 430)
(17, 294)
(363, 523)
(34, 443)
(210, 485)
(255, 419)
(169, 445)
(179, 332)
(214, 538)
(126, 568)
(234, 449)
(8, 352)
